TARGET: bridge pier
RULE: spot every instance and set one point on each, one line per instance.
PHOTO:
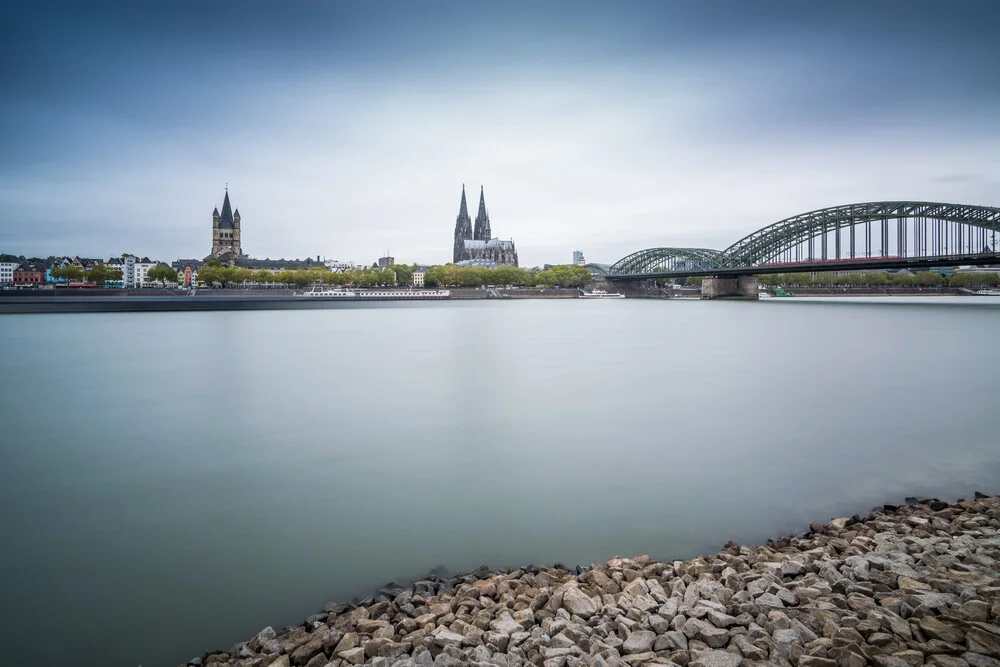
(740, 287)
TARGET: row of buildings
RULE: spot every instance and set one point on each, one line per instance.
(474, 245)
(35, 271)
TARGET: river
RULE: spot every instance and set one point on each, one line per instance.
(173, 482)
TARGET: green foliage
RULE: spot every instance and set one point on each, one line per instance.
(476, 276)
(404, 273)
(71, 273)
(101, 273)
(564, 276)
(879, 279)
(164, 274)
(974, 280)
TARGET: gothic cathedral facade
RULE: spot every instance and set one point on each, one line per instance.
(475, 244)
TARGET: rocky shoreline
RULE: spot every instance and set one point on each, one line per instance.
(901, 587)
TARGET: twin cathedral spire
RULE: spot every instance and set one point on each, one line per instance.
(475, 245)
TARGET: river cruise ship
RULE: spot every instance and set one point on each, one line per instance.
(379, 295)
(601, 294)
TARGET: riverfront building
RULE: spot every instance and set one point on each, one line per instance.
(8, 263)
(477, 243)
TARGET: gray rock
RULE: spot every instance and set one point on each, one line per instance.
(749, 650)
(448, 638)
(984, 638)
(946, 661)
(354, 656)
(769, 601)
(935, 628)
(639, 641)
(721, 620)
(717, 659)
(816, 661)
(712, 636)
(980, 660)
(578, 603)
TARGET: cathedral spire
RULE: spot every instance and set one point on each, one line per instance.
(463, 228)
(482, 231)
(463, 210)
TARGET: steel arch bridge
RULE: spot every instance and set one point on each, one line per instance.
(898, 234)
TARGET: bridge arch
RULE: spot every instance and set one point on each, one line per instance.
(903, 228)
(858, 236)
(661, 260)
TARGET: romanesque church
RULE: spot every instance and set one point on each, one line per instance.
(226, 234)
(476, 246)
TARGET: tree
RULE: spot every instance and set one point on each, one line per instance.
(70, 273)
(164, 274)
(404, 273)
(101, 273)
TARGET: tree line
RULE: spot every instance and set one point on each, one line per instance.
(97, 274)
(228, 276)
(450, 275)
(878, 279)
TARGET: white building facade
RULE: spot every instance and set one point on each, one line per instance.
(7, 271)
(128, 271)
(418, 277)
(142, 267)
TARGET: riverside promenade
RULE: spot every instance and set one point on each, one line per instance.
(903, 586)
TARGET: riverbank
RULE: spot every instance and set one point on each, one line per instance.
(900, 587)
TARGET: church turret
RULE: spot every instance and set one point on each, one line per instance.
(463, 229)
(482, 220)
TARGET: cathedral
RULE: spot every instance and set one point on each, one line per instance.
(476, 245)
(226, 234)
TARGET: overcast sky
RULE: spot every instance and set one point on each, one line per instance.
(347, 129)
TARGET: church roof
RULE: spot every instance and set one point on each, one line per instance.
(237, 213)
(226, 220)
(215, 213)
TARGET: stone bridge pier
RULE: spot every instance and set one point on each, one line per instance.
(739, 287)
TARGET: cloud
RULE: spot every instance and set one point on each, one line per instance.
(621, 135)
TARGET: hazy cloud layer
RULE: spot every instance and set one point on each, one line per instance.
(344, 130)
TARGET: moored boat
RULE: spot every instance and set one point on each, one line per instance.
(378, 295)
(601, 294)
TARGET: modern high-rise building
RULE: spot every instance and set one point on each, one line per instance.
(477, 243)
(578, 258)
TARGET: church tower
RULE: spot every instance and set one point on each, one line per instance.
(482, 220)
(226, 245)
(463, 229)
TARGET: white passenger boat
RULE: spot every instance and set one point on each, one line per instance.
(601, 294)
(379, 295)
(763, 294)
(988, 292)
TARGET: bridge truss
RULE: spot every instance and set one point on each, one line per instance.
(850, 237)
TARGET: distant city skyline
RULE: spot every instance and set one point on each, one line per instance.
(343, 129)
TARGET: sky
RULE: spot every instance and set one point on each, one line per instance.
(347, 129)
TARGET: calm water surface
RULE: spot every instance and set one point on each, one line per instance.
(172, 483)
